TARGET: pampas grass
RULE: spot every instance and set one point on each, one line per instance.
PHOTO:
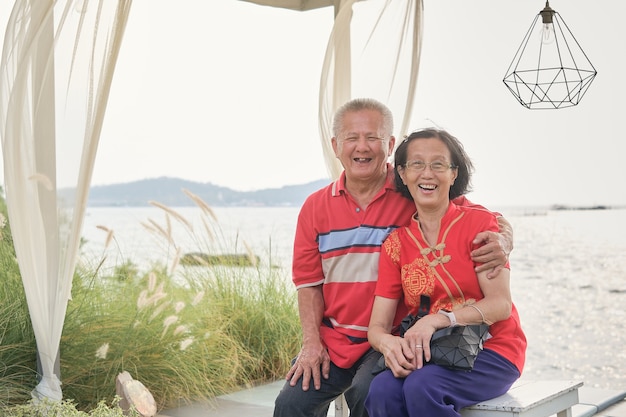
(187, 334)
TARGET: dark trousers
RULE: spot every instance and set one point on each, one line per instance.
(354, 382)
(437, 391)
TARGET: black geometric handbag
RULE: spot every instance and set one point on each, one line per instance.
(456, 347)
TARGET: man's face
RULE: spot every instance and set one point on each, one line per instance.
(363, 146)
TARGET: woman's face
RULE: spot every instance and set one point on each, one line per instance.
(428, 173)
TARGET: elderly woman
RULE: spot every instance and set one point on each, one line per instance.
(431, 257)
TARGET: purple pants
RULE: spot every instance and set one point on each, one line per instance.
(435, 391)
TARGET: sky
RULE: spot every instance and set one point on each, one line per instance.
(226, 92)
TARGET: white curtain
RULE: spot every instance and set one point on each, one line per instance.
(57, 66)
(373, 51)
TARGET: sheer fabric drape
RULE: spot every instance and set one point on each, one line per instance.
(56, 70)
(57, 66)
(373, 51)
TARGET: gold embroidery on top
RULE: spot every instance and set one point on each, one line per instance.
(392, 247)
(440, 259)
(417, 279)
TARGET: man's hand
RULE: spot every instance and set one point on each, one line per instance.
(312, 362)
(492, 255)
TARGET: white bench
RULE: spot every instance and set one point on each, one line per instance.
(524, 399)
(341, 407)
(530, 399)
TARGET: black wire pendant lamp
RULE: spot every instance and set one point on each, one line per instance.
(550, 70)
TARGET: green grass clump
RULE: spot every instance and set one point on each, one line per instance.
(187, 334)
(17, 340)
(259, 313)
(66, 408)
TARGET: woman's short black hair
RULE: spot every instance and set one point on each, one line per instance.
(460, 160)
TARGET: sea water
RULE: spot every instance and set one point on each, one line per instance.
(568, 271)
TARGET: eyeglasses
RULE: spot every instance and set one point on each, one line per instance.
(436, 166)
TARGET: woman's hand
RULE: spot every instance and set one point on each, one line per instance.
(419, 335)
(400, 355)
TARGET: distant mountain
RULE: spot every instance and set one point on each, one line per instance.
(169, 191)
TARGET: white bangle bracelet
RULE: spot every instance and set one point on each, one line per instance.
(450, 316)
(478, 309)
